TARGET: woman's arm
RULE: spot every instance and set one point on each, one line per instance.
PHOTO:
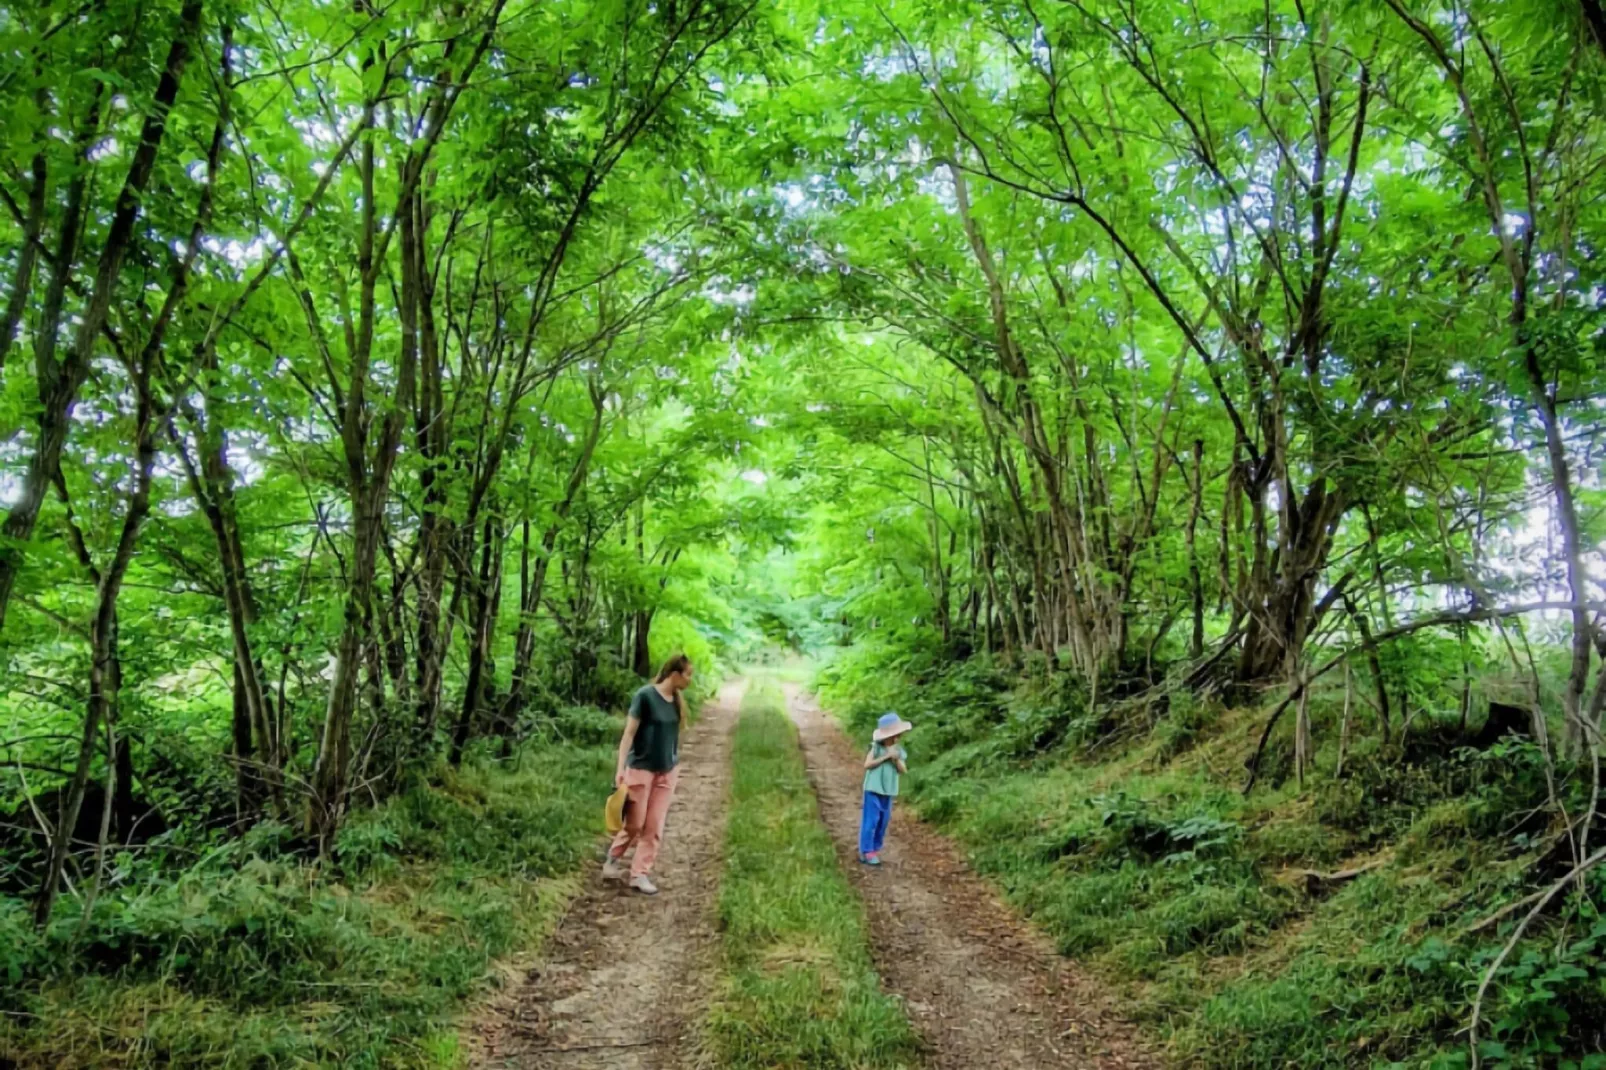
(631, 724)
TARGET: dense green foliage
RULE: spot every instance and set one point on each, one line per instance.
(1197, 402)
(386, 421)
(241, 956)
(799, 988)
(1132, 846)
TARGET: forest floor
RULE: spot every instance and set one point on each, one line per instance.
(625, 979)
(980, 986)
(622, 982)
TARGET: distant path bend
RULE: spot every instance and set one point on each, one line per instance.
(623, 981)
(985, 991)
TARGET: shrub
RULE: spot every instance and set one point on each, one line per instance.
(251, 956)
(1160, 875)
(1186, 721)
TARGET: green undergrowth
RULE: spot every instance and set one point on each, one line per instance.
(798, 987)
(1129, 840)
(250, 957)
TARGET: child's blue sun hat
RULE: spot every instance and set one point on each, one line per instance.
(889, 725)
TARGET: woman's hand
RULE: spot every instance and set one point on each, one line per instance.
(619, 778)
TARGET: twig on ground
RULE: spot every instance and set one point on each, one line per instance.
(1543, 899)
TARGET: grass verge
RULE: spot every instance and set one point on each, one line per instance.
(798, 987)
(1135, 849)
(250, 958)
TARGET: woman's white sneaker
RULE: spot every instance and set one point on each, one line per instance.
(644, 885)
(612, 870)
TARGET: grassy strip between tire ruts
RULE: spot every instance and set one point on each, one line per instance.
(798, 987)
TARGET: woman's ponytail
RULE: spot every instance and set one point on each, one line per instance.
(678, 663)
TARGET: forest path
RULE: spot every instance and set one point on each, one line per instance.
(982, 988)
(620, 984)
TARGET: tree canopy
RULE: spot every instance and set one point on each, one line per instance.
(378, 379)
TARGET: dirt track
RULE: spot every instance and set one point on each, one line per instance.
(621, 982)
(981, 987)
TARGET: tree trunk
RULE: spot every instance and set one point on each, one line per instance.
(331, 774)
(532, 589)
(257, 747)
(1280, 626)
(430, 435)
(28, 254)
(105, 669)
(247, 781)
(1373, 663)
(59, 385)
(479, 644)
(1195, 580)
(641, 654)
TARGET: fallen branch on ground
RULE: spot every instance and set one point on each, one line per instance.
(1542, 900)
(1315, 881)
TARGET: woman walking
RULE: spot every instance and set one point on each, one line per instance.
(648, 769)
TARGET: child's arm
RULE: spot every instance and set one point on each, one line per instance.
(898, 756)
(871, 761)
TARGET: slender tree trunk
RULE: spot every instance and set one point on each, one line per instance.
(369, 486)
(28, 254)
(59, 385)
(257, 748)
(1286, 601)
(1195, 580)
(1517, 255)
(533, 588)
(246, 779)
(430, 438)
(428, 648)
(105, 668)
(1566, 511)
(331, 774)
(103, 834)
(1302, 740)
(641, 655)
(1373, 664)
(479, 644)
(1343, 724)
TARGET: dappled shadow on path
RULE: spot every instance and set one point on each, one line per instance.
(982, 987)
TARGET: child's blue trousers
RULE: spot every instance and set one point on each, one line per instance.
(873, 825)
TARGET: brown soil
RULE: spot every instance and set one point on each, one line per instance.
(983, 989)
(620, 983)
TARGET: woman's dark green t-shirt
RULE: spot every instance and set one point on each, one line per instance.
(656, 747)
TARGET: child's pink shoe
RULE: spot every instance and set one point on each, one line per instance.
(873, 859)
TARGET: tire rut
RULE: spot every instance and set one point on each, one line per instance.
(981, 987)
(619, 985)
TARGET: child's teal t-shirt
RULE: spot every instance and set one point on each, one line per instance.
(883, 779)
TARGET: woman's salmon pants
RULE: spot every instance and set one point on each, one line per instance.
(646, 808)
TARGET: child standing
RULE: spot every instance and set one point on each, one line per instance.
(881, 768)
